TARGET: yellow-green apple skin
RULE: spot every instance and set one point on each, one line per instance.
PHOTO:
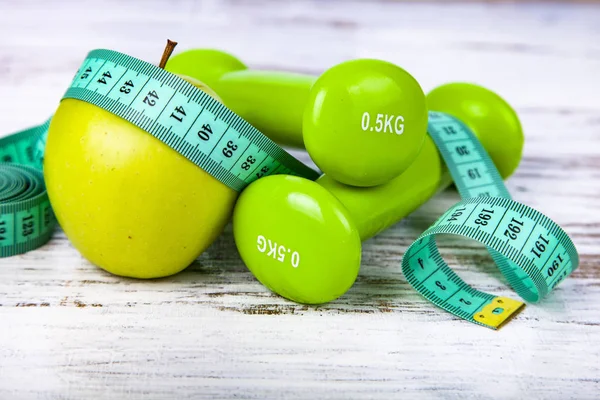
(129, 203)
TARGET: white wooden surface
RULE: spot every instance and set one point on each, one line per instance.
(71, 331)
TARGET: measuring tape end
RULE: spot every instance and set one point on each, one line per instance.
(499, 312)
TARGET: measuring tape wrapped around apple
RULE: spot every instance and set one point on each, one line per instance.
(141, 207)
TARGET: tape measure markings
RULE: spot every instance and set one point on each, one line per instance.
(505, 246)
(230, 134)
(469, 147)
(531, 251)
(186, 149)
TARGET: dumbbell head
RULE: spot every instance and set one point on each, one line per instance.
(488, 115)
(322, 221)
(364, 122)
(297, 239)
(206, 65)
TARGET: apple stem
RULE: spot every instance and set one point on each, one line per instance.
(167, 53)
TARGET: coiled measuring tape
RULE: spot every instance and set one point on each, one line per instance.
(26, 218)
(169, 108)
(531, 251)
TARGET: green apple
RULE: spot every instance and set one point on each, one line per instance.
(128, 202)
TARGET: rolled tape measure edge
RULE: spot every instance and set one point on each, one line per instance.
(25, 222)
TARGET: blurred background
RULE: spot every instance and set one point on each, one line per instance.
(536, 54)
(542, 57)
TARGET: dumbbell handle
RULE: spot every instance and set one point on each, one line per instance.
(377, 208)
(273, 102)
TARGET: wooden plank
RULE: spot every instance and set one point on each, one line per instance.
(70, 330)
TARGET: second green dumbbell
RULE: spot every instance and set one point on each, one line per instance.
(363, 122)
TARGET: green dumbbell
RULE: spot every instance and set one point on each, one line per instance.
(363, 122)
(301, 239)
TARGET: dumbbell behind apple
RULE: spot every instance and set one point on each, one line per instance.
(301, 239)
(362, 122)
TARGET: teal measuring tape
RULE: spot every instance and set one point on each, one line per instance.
(26, 218)
(169, 108)
(182, 116)
(531, 251)
(25, 147)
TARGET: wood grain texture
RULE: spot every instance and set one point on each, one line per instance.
(69, 330)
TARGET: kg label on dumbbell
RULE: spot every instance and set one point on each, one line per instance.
(383, 123)
(531, 251)
(278, 252)
(182, 116)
